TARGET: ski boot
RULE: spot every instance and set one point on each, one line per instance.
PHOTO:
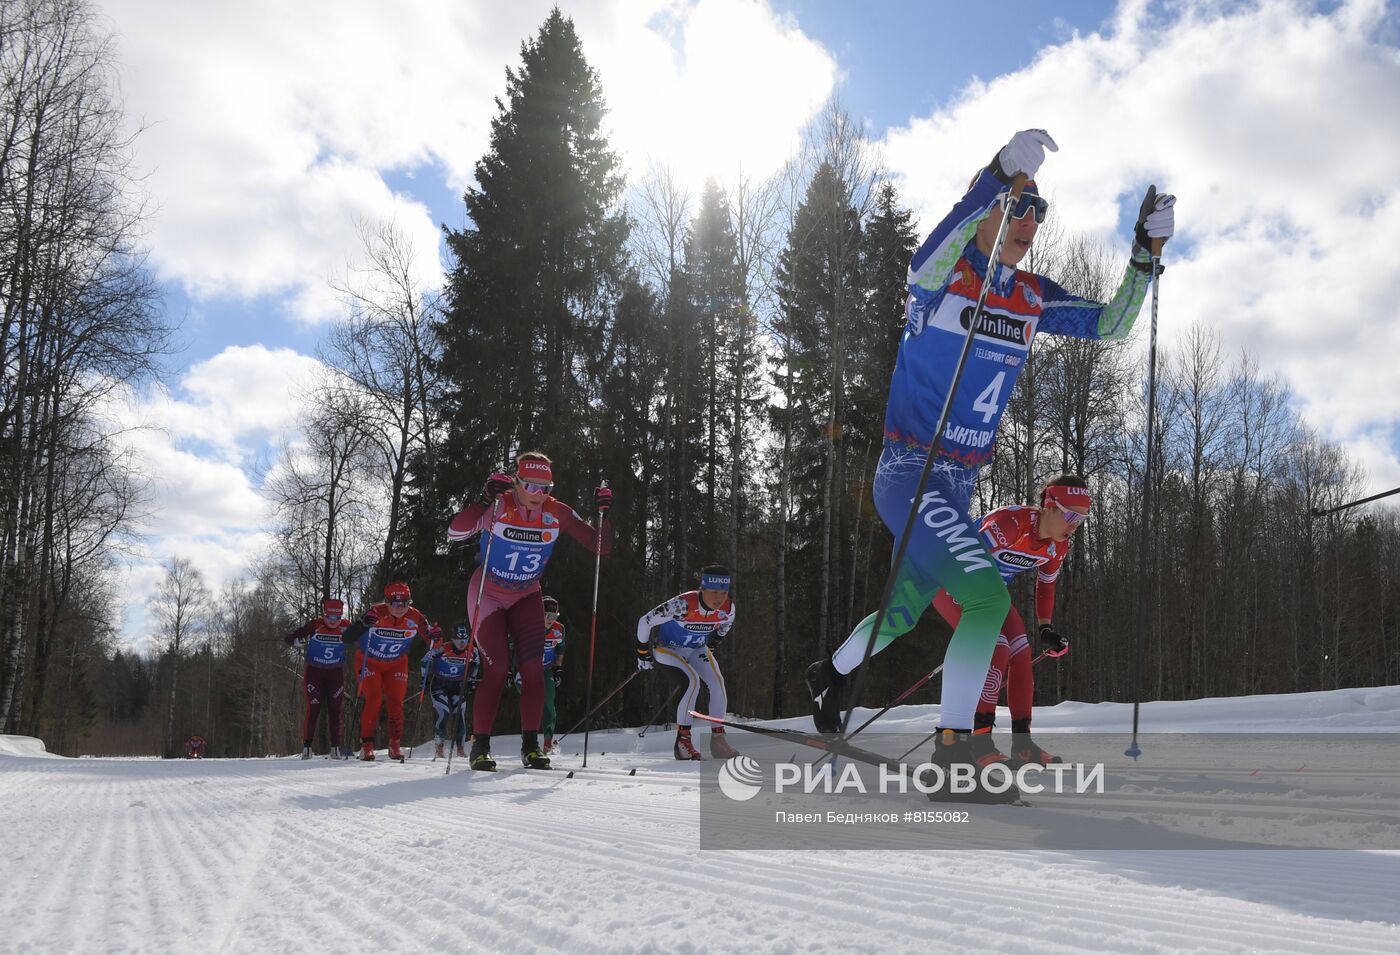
(828, 689)
(480, 757)
(719, 745)
(1025, 749)
(394, 752)
(337, 752)
(549, 746)
(530, 755)
(982, 725)
(440, 749)
(961, 747)
(367, 750)
(461, 751)
(684, 748)
(306, 751)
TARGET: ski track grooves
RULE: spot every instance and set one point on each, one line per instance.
(281, 855)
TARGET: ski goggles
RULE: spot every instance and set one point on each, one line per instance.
(398, 601)
(1072, 518)
(530, 487)
(1029, 202)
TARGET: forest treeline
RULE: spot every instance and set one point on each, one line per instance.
(719, 356)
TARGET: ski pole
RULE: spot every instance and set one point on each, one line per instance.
(1043, 654)
(659, 710)
(901, 698)
(593, 633)
(1319, 512)
(993, 263)
(298, 689)
(418, 719)
(601, 703)
(476, 610)
(1134, 750)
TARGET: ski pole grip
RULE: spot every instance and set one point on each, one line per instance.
(1018, 183)
(1157, 244)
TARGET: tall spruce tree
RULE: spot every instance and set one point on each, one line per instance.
(537, 285)
(812, 282)
(887, 244)
(716, 291)
(536, 273)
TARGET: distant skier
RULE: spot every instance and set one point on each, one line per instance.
(445, 669)
(323, 676)
(524, 523)
(553, 662)
(682, 633)
(385, 634)
(194, 747)
(945, 279)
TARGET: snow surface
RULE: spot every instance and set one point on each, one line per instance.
(271, 855)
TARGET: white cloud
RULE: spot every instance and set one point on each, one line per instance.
(272, 126)
(1277, 126)
(198, 446)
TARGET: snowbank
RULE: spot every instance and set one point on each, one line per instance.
(23, 746)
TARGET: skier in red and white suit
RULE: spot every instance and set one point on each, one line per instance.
(524, 524)
(385, 634)
(1021, 538)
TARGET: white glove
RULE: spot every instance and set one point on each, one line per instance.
(1025, 152)
(1156, 218)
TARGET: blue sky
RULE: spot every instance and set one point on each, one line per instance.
(263, 147)
(878, 84)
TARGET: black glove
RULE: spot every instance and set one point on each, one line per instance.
(645, 660)
(1156, 220)
(715, 640)
(558, 674)
(496, 485)
(1051, 642)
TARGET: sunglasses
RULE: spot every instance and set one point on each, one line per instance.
(1072, 518)
(398, 600)
(530, 488)
(1027, 203)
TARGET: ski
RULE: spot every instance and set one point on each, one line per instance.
(827, 744)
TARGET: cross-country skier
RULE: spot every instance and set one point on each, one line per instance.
(524, 523)
(682, 633)
(385, 634)
(1022, 538)
(194, 747)
(323, 676)
(553, 662)
(945, 278)
(445, 676)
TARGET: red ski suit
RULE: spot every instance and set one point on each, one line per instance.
(323, 677)
(1012, 536)
(381, 664)
(511, 605)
